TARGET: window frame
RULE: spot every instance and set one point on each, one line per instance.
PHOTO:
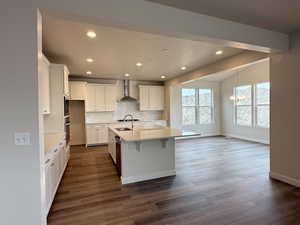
(235, 105)
(211, 106)
(188, 106)
(256, 105)
(198, 107)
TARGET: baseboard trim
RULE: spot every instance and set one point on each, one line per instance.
(285, 179)
(199, 136)
(128, 180)
(248, 139)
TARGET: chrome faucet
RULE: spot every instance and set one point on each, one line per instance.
(125, 119)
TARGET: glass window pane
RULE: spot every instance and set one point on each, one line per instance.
(205, 97)
(243, 115)
(188, 115)
(188, 97)
(244, 94)
(263, 116)
(205, 115)
(263, 93)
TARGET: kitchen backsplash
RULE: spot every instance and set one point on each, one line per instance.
(122, 109)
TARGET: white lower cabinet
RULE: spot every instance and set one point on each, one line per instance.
(56, 162)
(96, 134)
(48, 182)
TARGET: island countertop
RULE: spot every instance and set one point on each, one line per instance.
(153, 132)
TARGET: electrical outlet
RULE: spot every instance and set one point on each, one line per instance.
(22, 139)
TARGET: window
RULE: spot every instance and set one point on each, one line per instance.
(188, 106)
(197, 106)
(243, 105)
(205, 106)
(263, 104)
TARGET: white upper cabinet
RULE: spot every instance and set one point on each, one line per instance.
(151, 98)
(44, 74)
(90, 104)
(157, 96)
(78, 90)
(144, 98)
(101, 98)
(66, 82)
(110, 98)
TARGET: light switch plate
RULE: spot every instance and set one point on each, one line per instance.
(22, 139)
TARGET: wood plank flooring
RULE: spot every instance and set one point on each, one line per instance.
(219, 182)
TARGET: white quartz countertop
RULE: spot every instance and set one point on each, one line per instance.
(52, 140)
(152, 132)
(117, 122)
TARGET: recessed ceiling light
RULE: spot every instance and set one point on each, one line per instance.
(139, 64)
(219, 52)
(91, 34)
(183, 68)
(163, 77)
(127, 75)
(89, 72)
(89, 60)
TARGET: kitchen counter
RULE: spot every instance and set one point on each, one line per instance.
(52, 140)
(152, 132)
(144, 153)
(118, 122)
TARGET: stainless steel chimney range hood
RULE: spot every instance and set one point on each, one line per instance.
(126, 94)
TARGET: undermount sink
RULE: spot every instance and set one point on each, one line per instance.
(123, 129)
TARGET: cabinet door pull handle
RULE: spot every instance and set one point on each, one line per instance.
(55, 150)
(52, 164)
(47, 161)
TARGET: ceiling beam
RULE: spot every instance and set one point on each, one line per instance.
(150, 17)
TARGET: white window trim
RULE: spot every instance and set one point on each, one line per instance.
(236, 106)
(212, 106)
(197, 108)
(256, 106)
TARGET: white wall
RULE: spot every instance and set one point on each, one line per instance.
(176, 109)
(256, 73)
(285, 111)
(20, 166)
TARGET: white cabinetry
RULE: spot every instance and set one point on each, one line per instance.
(55, 165)
(45, 85)
(101, 98)
(54, 122)
(96, 134)
(110, 97)
(66, 82)
(90, 98)
(78, 90)
(151, 98)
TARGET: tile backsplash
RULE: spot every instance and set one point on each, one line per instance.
(122, 109)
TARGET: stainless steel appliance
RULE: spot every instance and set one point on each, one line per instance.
(67, 129)
(118, 155)
(126, 95)
(66, 106)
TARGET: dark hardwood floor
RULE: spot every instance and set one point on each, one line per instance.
(219, 182)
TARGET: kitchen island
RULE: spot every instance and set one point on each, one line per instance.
(144, 152)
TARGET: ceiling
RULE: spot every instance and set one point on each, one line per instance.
(277, 15)
(116, 51)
